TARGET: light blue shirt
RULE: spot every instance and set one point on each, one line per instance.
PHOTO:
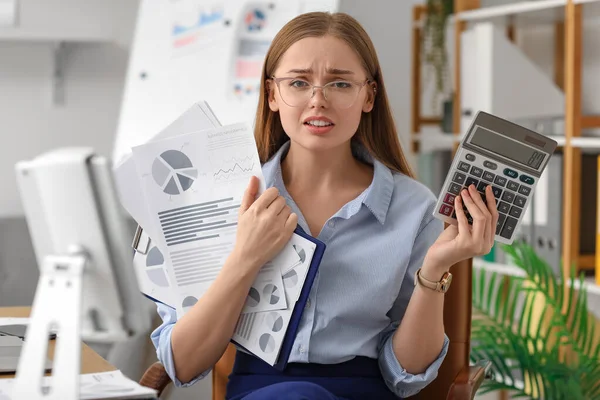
(375, 244)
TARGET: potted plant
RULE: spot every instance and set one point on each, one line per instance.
(539, 335)
(435, 55)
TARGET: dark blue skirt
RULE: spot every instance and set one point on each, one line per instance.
(359, 378)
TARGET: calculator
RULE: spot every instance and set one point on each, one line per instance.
(502, 154)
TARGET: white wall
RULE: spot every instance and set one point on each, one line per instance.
(389, 24)
(30, 122)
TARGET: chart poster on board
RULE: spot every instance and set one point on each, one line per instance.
(257, 25)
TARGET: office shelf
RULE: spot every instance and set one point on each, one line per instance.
(543, 9)
(502, 269)
(526, 12)
(567, 18)
(445, 141)
(510, 270)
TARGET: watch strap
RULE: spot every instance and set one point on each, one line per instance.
(439, 286)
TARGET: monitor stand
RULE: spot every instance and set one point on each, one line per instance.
(56, 307)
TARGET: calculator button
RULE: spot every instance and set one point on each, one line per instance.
(468, 216)
(527, 179)
(520, 201)
(481, 186)
(503, 207)
(497, 191)
(500, 180)
(470, 157)
(446, 210)
(515, 211)
(488, 176)
(514, 186)
(449, 198)
(511, 173)
(459, 178)
(454, 188)
(476, 171)
(501, 219)
(463, 166)
(490, 165)
(508, 197)
(471, 181)
(509, 227)
(524, 190)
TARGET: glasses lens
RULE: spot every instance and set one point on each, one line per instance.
(340, 94)
(295, 92)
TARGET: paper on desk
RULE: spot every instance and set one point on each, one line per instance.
(105, 385)
(193, 186)
(262, 333)
(197, 117)
(14, 321)
(18, 321)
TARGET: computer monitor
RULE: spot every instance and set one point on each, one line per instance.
(70, 201)
(87, 287)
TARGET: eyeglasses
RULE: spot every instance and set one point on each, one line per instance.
(297, 92)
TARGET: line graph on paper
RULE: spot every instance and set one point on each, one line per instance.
(233, 168)
(232, 156)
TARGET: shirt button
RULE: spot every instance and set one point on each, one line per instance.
(331, 224)
(301, 349)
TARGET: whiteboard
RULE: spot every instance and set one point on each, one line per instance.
(184, 51)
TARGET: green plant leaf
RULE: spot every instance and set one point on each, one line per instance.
(518, 339)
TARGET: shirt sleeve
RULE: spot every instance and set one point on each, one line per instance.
(161, 338)
(401, 382)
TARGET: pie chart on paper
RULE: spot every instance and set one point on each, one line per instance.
(290, 279)
(174, 172)
(155, 263)
(266, 343)
(274, 321)
(253, 297)
(272, 293)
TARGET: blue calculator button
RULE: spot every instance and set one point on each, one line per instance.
(526, 179)
(510, 173)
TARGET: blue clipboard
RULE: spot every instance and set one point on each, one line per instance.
(292, 330)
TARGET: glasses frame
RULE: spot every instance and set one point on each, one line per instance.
(360, 84)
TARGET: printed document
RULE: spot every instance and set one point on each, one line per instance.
(105, 385)
(262, 333)
(193, 186)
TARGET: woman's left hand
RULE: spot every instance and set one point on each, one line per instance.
(463, 241)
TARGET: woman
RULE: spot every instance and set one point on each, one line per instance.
(333, 165)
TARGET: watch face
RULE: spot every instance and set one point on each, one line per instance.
(446, 281)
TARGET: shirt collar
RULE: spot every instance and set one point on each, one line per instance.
(376, 197)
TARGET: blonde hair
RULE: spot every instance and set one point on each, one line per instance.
(376, 130)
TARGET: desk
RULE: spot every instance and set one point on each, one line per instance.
(90, 360)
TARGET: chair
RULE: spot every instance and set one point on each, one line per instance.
(456, 379)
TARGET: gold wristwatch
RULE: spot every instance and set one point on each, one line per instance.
(441, 286)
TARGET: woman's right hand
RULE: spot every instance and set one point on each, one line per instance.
(265, 225)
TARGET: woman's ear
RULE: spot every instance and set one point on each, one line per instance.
(270, 85)
(370, 99)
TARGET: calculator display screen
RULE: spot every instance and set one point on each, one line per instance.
(506, 147)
